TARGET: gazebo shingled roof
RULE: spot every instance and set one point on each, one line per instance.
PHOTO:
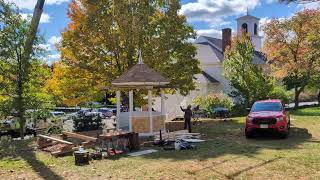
(141, 75)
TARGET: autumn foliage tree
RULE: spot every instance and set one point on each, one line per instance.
(67, 84)
(292, 46)
(103, 38)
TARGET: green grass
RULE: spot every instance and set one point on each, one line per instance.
(307, 112)
(225, 155)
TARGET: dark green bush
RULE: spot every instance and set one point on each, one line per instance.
(211, 101)
(87, 122)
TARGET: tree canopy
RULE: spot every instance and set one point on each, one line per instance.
(247, 79)
(22, 78)
(292, 46)
(103, 38)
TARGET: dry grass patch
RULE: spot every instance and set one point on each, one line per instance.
(225, 155)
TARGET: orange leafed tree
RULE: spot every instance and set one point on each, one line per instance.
(70, 86)
(102, 40)
(292, 48)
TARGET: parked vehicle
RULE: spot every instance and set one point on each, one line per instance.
(11, 126)
(57, 114)
(106, 112)
(268, 115)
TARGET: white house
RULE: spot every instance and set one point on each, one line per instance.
(210, 53)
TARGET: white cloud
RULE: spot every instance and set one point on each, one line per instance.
(210, 32)
(215, 11)
(45, 18)
(54, 40)
(30, 4)
(46, 47)
(311, 5)
(54, 56)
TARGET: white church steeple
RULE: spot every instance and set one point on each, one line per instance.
(250, 25)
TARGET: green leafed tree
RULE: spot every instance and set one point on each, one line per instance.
(103, 38)
(247, 79)
(22, 75)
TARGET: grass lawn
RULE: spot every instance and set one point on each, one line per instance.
(225, 155)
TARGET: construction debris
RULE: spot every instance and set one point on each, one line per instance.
(90, 142)
(173, 136)
(140, 153)
(55, 146)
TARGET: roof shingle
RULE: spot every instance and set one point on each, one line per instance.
(141, 75)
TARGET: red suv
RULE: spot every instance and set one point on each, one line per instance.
(268, 115)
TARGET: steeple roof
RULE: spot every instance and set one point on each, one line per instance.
(248, 16)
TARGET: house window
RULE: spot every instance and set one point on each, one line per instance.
(255, 29)
(245, 27)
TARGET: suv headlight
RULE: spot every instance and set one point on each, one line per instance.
(279, 119)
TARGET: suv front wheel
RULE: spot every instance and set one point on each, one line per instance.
(284, 135)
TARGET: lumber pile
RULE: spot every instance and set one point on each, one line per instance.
(45, 141)
(89, 141)
(55, 146)
(79, 136)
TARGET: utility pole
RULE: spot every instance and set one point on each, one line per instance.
(24, 65)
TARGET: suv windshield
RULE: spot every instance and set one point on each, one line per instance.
(266, 106)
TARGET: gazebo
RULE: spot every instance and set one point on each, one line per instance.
(140, 76)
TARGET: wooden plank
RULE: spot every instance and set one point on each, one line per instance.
(55, 139)
(79, 136)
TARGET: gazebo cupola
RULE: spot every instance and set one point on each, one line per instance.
(140, 76)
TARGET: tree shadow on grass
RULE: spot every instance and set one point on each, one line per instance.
(15, 150)
(227, 138)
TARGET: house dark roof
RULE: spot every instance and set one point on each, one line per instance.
(141, 75)
(210, 78)
(215, 41)
(259, 57)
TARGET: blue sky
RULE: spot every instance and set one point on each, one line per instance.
(207, 16)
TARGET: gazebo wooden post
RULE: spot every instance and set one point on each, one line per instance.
(163, 110)
(130, 109)
(118, 94)
(150, 109)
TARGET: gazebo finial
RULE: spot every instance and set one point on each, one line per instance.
(140, 57)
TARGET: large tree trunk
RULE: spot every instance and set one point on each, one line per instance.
(297, 92)
(21, 107)
(24, 63)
